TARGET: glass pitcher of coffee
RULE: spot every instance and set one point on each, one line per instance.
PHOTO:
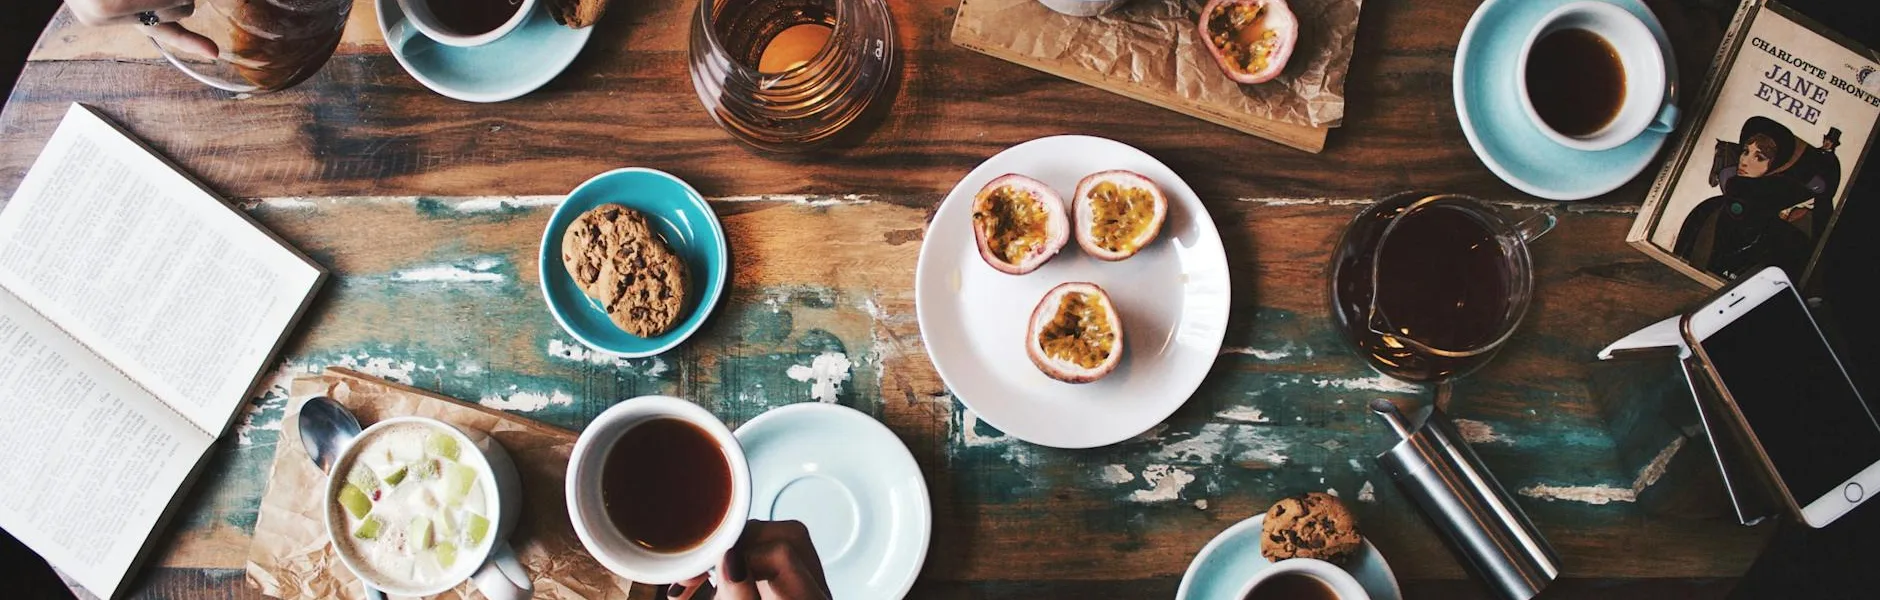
(1427, 287)
(261, 45)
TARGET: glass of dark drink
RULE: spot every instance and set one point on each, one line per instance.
(1427, 287)
(262, 45)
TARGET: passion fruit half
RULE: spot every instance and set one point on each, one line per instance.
(1118, 212)
(1076, 335)
(1019, 223)
(1250, 39)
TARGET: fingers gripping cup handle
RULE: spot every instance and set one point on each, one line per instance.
(502, 577)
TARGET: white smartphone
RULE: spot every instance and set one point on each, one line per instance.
(1805, 419)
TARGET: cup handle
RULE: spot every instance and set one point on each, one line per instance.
(502, 576)
(1666, 120)
(1536, 226)
(401, 32)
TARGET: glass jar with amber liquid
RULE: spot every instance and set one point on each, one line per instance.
(788, 75)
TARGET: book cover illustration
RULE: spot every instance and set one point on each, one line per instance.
(1791, 121)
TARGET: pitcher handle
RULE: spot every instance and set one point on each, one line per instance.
(502, 576)
(1532, 228)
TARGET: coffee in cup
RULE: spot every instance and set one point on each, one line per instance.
(658, 489)
(1592, 77)
(1303, 579)
(463, 23)
(671, 504)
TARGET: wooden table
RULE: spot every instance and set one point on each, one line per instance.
(429, 211)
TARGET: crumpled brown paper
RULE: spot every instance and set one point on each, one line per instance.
(291, 558)
(1154, 44)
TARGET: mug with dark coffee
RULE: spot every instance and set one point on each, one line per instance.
(658, 489)
(1591, 76)
(1303, 579)
(463, 23)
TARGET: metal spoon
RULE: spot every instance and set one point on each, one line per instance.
(327, 429)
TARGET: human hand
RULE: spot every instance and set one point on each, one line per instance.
(773, 560)
(165, 30)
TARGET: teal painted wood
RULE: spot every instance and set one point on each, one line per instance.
(440, 293)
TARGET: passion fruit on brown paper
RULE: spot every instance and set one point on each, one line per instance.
(1076, 333)
(1019, 223)
(1117, 213)
(1250, 39)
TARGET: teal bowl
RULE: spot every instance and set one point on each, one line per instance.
(679, 215)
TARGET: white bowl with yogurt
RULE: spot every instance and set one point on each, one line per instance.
(416, 506)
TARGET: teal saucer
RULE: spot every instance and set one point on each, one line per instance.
(1233, 557)
(679, 215)
(518, 63)
(1489, 106)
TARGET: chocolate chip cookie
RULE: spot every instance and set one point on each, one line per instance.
(615, 257)
(577, 13)
(1316, 525)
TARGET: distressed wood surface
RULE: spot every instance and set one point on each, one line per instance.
(442, 293)
(391, 187)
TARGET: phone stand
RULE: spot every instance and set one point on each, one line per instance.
(1665, 421)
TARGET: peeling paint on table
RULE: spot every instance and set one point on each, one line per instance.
(441, 293)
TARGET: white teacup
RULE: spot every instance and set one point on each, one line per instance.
(493, 565)
(588, 513)
(418, 15)
(1646, 105)
(1342, 584)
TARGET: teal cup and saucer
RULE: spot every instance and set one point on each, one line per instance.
(679, 216)
(1501, 126)
(515, 59)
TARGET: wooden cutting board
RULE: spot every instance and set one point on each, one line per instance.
(1013, 40)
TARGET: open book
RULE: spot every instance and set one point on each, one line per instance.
(136, 311)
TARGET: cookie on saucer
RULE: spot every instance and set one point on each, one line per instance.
(615, 257)
(1316, 525)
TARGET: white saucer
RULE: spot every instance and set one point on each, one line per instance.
(1231, 558)
(852, 483)
(1173, 297)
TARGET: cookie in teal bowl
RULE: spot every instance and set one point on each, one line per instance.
(679, 215)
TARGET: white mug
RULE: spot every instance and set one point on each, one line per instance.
(1645, 106)
(494, 568)
(1343, 585)
(587, 510)
(418, 15)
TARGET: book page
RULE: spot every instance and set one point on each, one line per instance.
(159, 277)
(92, 460)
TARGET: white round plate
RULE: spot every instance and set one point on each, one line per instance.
(852, 483)
(1233, 557)
(1173, 297)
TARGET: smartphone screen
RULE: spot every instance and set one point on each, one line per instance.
(1810, 421)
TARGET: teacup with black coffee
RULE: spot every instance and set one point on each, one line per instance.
(1303, 579)
(658, 489)
(462, 23)
(1591, 76)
